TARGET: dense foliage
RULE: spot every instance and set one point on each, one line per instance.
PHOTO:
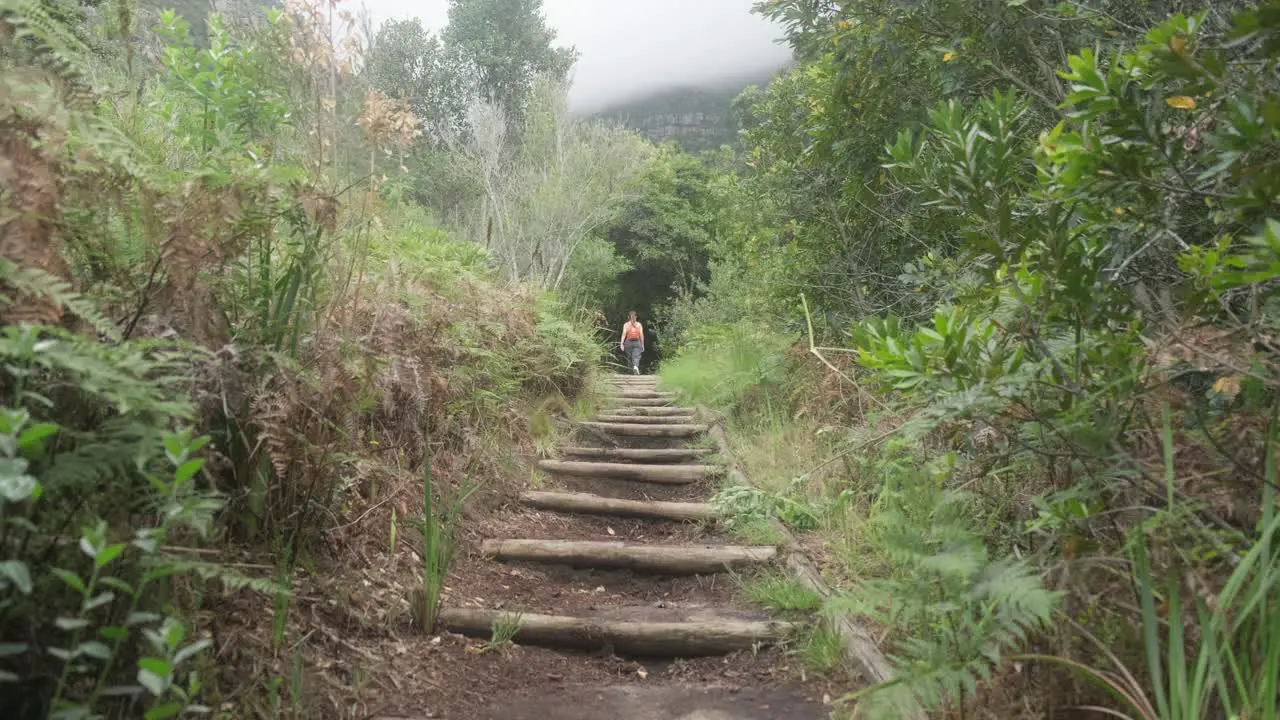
(1039, 244)
(239, 318)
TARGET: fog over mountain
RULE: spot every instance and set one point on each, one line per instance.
(632, 48)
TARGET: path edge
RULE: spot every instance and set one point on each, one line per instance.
(860, 648)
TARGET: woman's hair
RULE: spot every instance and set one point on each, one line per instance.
(631, 315)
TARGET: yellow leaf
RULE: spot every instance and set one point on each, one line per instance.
(1228, 386)
(1178, 43)
(948, 56)
(1182, 102)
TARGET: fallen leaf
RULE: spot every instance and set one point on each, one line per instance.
(642, 673)
(1182, 102)
(611, 532)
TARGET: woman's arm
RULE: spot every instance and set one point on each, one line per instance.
(622, 339)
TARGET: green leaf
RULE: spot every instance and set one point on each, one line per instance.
(71, 580)
(107, 554)
(34, 435)
(187, 470)
(164, 710)
(71, 623)
(138, 618)
(11, 649)
(99, 600)
(153, 674)
(116, 583)
(191, 650)
(14, 572)
(15, 484)
(94, 649)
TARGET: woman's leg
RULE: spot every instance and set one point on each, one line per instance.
(633, 355)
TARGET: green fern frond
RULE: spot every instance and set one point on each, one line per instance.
(230, 578)
(56, 48)
(36, 282)
(128, 378)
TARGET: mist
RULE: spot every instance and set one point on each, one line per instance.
(631, 48)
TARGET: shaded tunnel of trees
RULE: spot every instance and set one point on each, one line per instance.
(663, 235)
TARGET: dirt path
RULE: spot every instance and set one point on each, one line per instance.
(635, 619)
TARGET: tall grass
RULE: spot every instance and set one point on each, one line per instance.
(729, 366)
(439, 531)
(1207, 656)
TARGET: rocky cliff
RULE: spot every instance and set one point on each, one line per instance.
(696, 118)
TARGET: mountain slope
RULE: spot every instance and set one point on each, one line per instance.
(698, 118)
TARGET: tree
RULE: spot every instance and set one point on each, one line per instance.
(544, 195)
(509, 45)
(407, 62)
(665, 232)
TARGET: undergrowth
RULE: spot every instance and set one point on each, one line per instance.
(231, 332)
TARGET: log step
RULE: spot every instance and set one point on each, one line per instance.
(648, 639)
(653, 411)
(663, 474)
(639, 557)
(641, 454)
(637, 430)
(629, 403)
(645, 419)
(629, 394)
(588, 504)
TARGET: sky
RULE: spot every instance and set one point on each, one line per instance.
(629, 48)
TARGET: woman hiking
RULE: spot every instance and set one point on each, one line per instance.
(632, 342)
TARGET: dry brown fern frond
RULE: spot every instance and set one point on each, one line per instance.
(29, 176)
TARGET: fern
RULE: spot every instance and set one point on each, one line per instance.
(228, 577)
(37, 282)
(958, 610)
(55, 47)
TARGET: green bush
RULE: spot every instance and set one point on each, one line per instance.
(724, 366)
(94, 482)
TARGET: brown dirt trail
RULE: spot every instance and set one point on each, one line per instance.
(457, 678)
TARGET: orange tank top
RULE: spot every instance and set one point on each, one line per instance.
(634, 332)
